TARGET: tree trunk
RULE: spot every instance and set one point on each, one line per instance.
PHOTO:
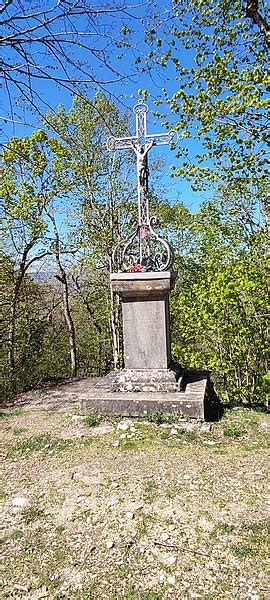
(13, 307)
(114, 310)
(65, 295)
(114, 325)
(62, 277)
(11, 333)
(70, 324)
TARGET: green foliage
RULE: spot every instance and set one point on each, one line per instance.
(87, 441)
(150, 490)
(29, 183)
(40, 335)
(219, 63)
(32, 514)
(92, 420)
(17, 534)
(39, 172)
(11, 413)
(219, 305)
(226, 527)
(190, 436)
(156, 418)
(233, 431)
(243, 551)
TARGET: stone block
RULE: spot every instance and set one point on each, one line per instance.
(146, 333)
(195, 398)
(189, 404)
(146, 323)
(134, 285)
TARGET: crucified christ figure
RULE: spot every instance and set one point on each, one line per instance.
(142, 162)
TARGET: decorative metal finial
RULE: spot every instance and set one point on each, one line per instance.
(144, 250)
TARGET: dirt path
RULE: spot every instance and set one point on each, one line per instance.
(133, 510)
(62, 395)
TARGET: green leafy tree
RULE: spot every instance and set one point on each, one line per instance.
(29, 184)
(39, 330)
(102, 199)
(219, 64)
(220, 304)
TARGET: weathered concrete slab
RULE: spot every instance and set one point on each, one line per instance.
(142, 284)
(188, 404)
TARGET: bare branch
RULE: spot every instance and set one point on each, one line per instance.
(69, 44)
(257, 18)
(5, 6)
(37, 257)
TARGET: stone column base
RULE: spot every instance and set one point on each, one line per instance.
(146, 380)
(194, 401)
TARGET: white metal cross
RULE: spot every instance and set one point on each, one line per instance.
(141, 143)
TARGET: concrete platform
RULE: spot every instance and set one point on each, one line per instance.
(194, 402)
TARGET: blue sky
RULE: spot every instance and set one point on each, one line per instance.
(124, 91)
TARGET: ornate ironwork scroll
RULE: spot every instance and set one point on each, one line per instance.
(144, 250)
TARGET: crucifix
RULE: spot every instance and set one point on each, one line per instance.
(141, 143)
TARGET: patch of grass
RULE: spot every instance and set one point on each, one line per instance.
(59, 553)
(219, 449)
(39, 443)
(92, 420)
(233, 431)
(243, 551)
(158, 418)
(151, 595)
(171, 492)
(226, 527)
(123, 571)
(31, 514)
(17, 534)
(83, 516)
(129, 444)
(254, 541)
(257, 529)
(131, 594)
(87, 441)
(143, 524)
(59, 529)
(87, 592)
(114, 419)
(173, 441)
(49, 580)
(150, 490)
(221, 528)
(257, 534)
(19, 430)
(190, 436)
(7, 414)
(41, 392)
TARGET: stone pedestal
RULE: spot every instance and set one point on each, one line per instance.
(146, 327)
(150, 381)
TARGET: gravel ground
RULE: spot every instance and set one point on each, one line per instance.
(131, 509)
